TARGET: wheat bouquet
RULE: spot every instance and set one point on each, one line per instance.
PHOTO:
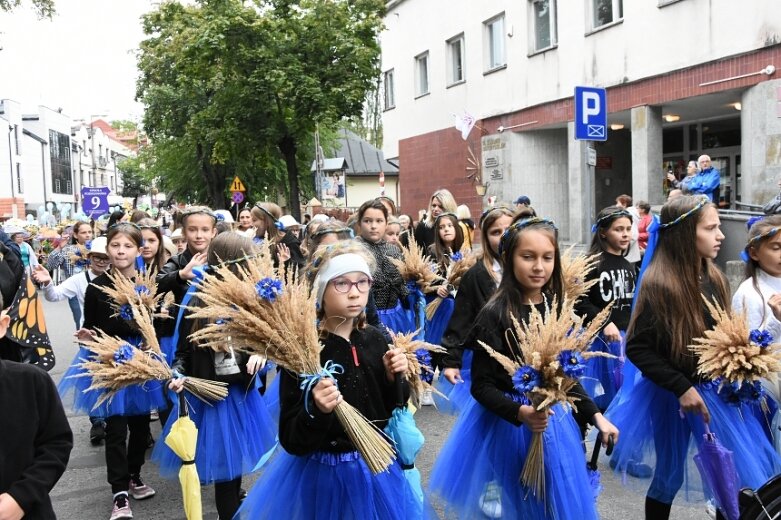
(553, 349)
(417, 267)
(420, 370)
(275, 316)
(736, 358)
(117, 364)
(459, 264)
(128, 294)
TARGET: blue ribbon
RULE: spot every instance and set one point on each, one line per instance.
(309, 381)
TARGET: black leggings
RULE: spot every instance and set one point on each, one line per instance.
(226, 496)
(124, 457)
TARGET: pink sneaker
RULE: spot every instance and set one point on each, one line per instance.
(121, 510)
(138, 489)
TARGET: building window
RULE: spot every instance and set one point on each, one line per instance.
(605, 12)
(19, 185)
(494, 43)
(542, 28)
(455, 60)
(421, 74)
(60, 155)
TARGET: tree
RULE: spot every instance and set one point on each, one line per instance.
(43, 8)
(134, 182)
(242, 87)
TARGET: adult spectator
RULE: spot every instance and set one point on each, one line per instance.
(706, 181)
(774, 206)
(467, 224)
(522, 202)
(20, 237)
(683, 184)
(644, 211)
(441, 201)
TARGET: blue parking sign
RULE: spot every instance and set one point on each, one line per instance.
(590, 114)
(94, 201)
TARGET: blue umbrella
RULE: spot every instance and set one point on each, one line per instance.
(407, 438)
(717, 468)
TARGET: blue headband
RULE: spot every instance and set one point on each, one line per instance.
(701, 204)
(521, 224)
(609, 217)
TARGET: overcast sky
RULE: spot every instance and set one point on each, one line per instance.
(83, 60)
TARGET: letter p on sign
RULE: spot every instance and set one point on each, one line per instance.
(590, 114)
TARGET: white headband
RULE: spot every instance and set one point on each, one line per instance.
(337, 266)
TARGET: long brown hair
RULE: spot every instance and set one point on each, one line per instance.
(759, 233)
(151, 225)
(269, 213)
(670, 288)
(487, 219)
(441, 252)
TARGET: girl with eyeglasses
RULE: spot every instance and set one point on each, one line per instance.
(319, 473)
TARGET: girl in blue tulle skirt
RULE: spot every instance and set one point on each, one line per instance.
(662, 413)
(319, 474)
(446, 249)
(477, 286)
(233, 434)
(388, 287)
(128, 411)
(614, 278)
(477, 473)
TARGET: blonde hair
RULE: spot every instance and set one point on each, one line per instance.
(463, 212)
(269, 213)
(447, 201)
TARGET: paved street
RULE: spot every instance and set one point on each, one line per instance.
(83, 494)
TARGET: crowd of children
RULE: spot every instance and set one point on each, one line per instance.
(316, 470)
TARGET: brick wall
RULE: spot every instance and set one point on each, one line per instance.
(6, 207)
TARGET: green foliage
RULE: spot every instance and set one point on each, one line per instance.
(238, 89)
(43, 8)
(134, 182)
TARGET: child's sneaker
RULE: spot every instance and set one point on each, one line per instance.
(138, 489)
(491, 500)
(121, 510)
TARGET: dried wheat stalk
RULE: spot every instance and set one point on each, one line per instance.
(417, 267)
(575, 269)
(410, 346)
(455, 271)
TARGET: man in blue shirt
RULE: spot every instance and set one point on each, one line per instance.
(706, 181)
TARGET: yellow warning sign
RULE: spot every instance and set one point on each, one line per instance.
(237, 185)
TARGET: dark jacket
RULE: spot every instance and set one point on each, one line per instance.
(477, 287)
(169, 281)
(98, 312)
(11, 273)
(648, 347)
(364, 386)
(35, 438)
(616, 283)
(491, 383)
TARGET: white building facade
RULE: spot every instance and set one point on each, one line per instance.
(683, 77)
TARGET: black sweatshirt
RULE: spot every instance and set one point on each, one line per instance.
(365, 386)
(98, 311)
(477, 287)
(490, 381)
(35, 438)
(616, 277)
(648, 347)
(169, 281)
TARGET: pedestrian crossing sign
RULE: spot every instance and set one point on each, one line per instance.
(237, 185)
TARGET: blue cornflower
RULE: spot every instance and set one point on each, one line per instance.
(424, 358)
(760, 337)
(269, 288)
(572, 363)
(455, 257)
(124, 353)
(142, 289)
(126, 312)
(526, 379)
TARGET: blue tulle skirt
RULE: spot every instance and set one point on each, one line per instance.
(654, 433)
(459, 396)
(436, 326)
(233, 435)
(478, 470)
(329, 486)
(168, 348)
(271, 398)
(133, 400)
(396, 319)
(603, 376)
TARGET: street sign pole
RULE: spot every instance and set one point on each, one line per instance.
(590, 126)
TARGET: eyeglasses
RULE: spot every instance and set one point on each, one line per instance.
(100, 259)
(343, 286)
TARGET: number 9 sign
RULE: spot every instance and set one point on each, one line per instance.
(94, 201)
